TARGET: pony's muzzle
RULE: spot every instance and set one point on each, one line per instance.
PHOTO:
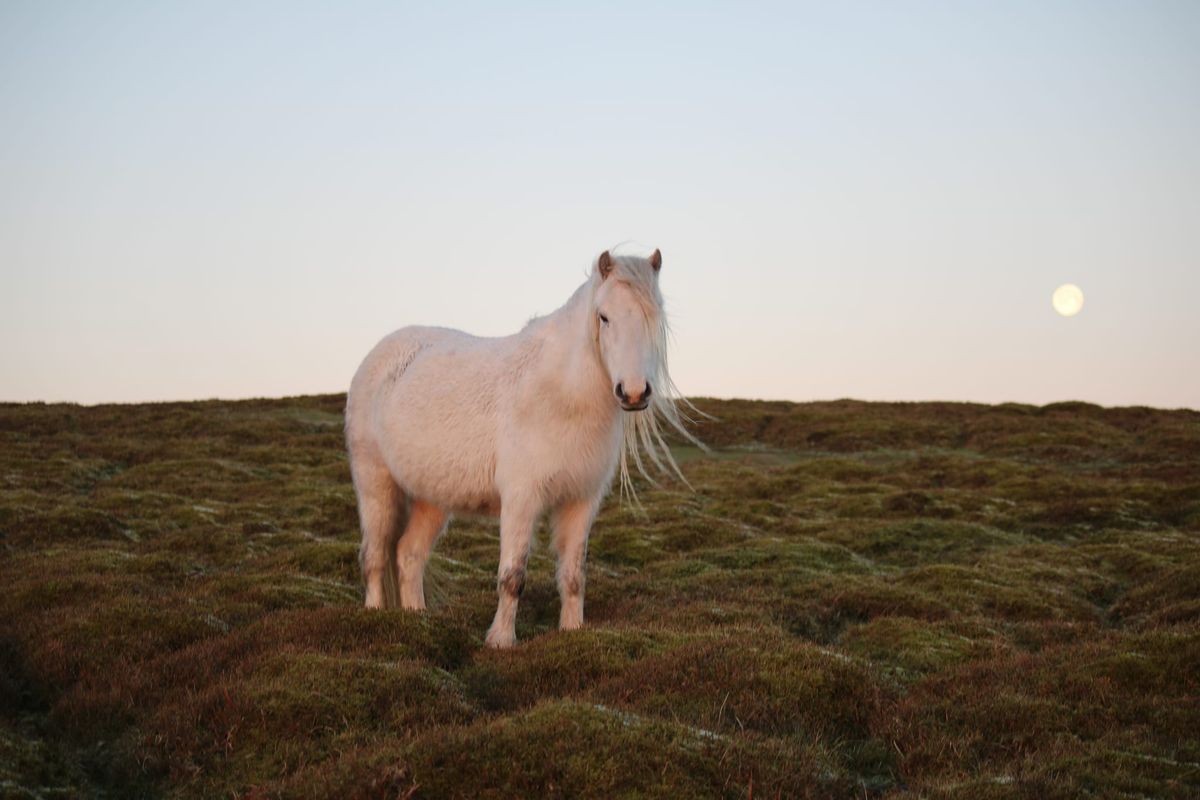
(633, 402)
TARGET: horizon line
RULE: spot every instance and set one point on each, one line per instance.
(809, 401)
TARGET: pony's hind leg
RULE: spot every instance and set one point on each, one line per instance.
(425, 523)
(381, 512)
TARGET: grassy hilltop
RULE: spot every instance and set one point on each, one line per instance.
(901, 600)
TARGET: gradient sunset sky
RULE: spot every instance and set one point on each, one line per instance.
(871, 200)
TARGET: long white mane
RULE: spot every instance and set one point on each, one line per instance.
(643, 430)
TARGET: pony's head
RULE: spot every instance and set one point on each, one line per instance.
(628, 319)
(629, 327)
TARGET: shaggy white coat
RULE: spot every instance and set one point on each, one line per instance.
(439, 421)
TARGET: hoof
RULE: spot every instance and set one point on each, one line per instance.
(500, 641)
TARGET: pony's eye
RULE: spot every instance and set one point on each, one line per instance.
(604, 319)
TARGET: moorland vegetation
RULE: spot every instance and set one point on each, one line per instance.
(857, 599)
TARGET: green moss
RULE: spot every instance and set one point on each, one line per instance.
(293, 709)
(1118, 692)
(558, 665)
(273, 590)
(442, 638)
(622, 546)
(924, 541)
(25, 526)
(1005, 593)
(310, 695)
(329, 560)
(572, 749)
(32, 767)
(791, 557)
(1173, 596)
(911, 648)
(757, 679)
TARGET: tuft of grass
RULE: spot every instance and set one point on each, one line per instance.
(909, 649)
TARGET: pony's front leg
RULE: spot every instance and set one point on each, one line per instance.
(517, 517)
(572, 524)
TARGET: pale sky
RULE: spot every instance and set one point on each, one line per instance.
(871, 200)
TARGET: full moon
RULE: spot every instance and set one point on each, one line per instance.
(1068, 299)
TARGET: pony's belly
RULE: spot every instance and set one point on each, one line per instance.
(441, 449)
(448, 492)
(458, 480)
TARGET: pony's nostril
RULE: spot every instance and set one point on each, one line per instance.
(646, 394)
(620, 390)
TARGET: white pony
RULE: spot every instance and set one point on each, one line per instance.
(439, 421)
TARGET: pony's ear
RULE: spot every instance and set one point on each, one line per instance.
(604, 264)
(656, 260)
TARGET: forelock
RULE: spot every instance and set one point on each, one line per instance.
(642, 280)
